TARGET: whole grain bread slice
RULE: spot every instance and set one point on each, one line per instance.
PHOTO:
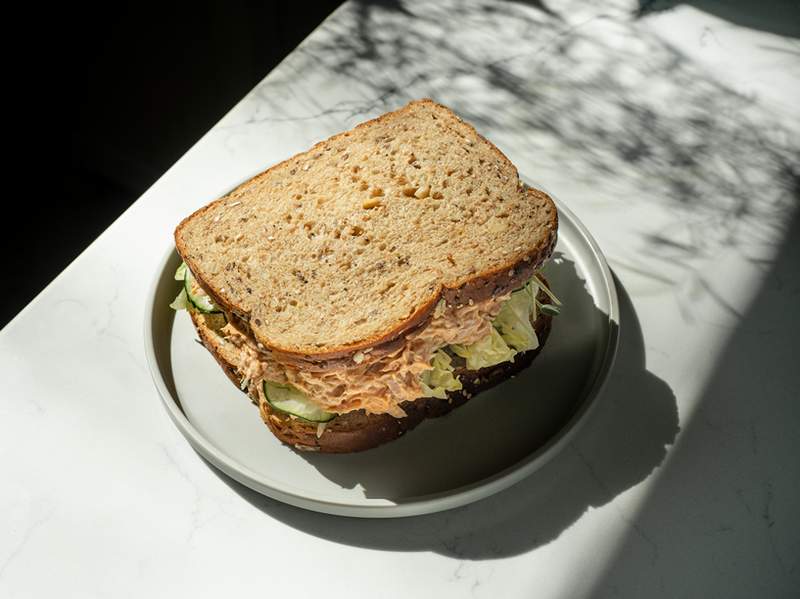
(358, 430)
(354, 242)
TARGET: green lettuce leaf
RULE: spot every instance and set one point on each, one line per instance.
(181, 272)
(489, 351)
(181, 302)
(514, 321)
(439, 380)
(512, 329)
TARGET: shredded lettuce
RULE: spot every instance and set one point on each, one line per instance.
(488, 351)
(553, 309)
(532, 289)
(440, 379)
(180, 274)
(547, 291)
(181, 302)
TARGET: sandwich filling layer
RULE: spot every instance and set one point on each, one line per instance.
(478, 334)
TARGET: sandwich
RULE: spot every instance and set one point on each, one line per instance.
(383, 277)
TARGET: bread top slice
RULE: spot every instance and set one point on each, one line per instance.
(354, 242)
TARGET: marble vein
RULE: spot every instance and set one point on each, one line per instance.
(30, 530)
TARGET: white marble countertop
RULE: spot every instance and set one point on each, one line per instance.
(674, 136)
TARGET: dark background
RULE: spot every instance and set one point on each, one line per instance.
(103, 102)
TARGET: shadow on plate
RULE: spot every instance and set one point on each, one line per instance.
(622, 441)
(501, 427)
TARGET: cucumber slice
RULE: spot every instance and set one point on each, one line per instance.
(202, 302)
(291, 401)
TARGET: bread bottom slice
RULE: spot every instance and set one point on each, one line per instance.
(358, 430)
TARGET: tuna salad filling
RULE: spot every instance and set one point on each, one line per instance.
(477, 335)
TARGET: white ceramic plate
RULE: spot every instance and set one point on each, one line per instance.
(496, 439)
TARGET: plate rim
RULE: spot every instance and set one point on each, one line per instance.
(384, 508)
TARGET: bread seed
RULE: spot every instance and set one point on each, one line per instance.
(373, 203)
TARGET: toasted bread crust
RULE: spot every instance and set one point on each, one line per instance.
(478, 287)
(358, 431)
